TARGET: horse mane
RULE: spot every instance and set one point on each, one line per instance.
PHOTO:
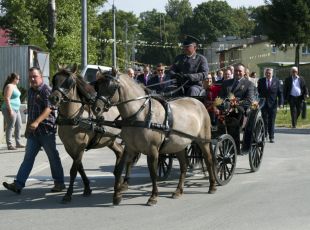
(139, 88)
(84, 88)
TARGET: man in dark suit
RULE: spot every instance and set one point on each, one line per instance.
(161, 81)
(269, 88)
(145, 76)
(243, 90)
(295, 92)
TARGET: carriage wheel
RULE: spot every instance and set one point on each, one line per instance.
(164, 166)
(225, 158)
(194, 156)
(257, 144)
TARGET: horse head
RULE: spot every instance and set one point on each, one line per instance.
(62, 83)
(107, 86)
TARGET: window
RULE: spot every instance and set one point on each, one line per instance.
(305, 50)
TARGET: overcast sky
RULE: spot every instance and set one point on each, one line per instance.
(138, 6)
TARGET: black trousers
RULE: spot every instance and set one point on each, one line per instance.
(295, 108)
(269, 117)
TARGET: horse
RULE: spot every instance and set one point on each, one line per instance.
(153, 126)
(72, 95)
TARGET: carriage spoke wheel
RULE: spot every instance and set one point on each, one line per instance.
(164, 166)
(225, 158)
(257, 145)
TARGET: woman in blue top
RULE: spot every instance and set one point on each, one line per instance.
(10, 109)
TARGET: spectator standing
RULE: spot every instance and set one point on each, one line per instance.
(40, 132)
(190, 66)
(219, 76)
(295, 92)
(10, 110)
(145, 76)
(253, 78)
(131, 73)
(227, 74)
(269, 88)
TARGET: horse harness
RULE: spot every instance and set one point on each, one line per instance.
(89, 123)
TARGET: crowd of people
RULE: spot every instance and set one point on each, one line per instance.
(189, 72)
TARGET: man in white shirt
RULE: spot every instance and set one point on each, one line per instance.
(295, 92)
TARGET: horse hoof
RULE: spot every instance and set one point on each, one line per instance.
(87, 192)
(212, 191)
(124, 187)
(66, 199)
(117, 200)
(176, 195)
(151, 202)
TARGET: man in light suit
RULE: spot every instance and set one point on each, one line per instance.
(243, 90)
(269, 88)
(295, 92)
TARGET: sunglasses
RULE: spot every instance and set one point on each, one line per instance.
(160, 70)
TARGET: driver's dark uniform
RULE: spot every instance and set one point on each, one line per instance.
(194, 69)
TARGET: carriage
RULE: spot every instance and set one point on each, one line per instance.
(224, 149)
(148, 119)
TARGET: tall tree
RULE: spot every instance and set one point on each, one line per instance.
(29, 23)
(287, 22)
(210, 20)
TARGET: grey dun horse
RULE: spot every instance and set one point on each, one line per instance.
(148, 127)
(69, 94)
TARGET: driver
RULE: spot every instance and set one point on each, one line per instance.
(190, 66)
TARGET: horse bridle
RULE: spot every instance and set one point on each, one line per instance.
(70, 81)
(113, 86)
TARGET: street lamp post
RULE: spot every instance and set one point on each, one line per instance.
(134, 49)
(114, 37)
(126, 42)
(126, 48)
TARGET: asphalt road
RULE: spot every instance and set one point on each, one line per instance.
(275, 197)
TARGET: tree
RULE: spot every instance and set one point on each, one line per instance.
(210, 20)
(243, 23)
(287, 23)
(30, 23)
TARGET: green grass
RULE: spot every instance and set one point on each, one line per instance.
(283, 119)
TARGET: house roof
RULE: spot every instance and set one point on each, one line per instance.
(256, 41)
(4, 37)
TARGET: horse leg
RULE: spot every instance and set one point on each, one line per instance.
(73, 173)
(129, 164)
(152, 162)
(117, 196)
(183, 168)
(118, 150)
(87, 190)
(209, 162)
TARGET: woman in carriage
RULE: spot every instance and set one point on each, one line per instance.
(211, 91)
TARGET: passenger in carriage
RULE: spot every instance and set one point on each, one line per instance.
(228, 74)
(243, 90)
(211, 91)
(190, 67)
(161, 81)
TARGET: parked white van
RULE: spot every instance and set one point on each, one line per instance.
(89, 72)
